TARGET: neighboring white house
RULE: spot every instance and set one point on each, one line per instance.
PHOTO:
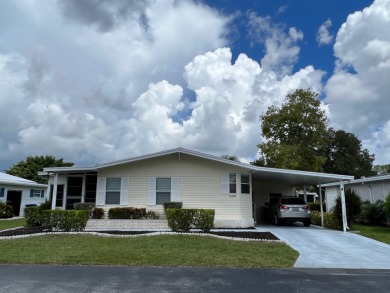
(236, 191)
(20, 192)
(369, 188)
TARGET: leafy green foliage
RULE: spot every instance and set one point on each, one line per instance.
(6, 211)
(230, 157)
(330, 220)
(345, 155)
(294, 133)
(69, 221)
(387, 205)
(172, 205)
(30, 167)
(315, 206)
(372, 213)
(204, 219)
(353, 206)
(85, 206)
(181, 220)
(127, 213)
(33, 216)
(97, 213)
(382, 169)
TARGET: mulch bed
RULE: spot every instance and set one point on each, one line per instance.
(235, 234)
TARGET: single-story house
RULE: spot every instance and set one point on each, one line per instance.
(368, 188)
(20, 192)
(237, 191)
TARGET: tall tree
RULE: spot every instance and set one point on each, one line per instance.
(382, 169)
(294, 133)
(30, 167)
(345, 155)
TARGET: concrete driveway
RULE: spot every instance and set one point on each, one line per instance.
(325, 248)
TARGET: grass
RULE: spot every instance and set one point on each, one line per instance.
(375, 232)
(6, 224)
(162, 250)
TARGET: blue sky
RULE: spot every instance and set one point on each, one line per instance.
(95, 81)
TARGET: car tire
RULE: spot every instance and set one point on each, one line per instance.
(277, 221)
(307, 223)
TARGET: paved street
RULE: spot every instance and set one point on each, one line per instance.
(22, 278)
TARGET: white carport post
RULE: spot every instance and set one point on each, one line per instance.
(304, 193)
(321, 209)
(54, 199)
(343, 207)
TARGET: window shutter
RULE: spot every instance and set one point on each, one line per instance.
(225, 183)
(124, 197)
(31, 192)
(152, 191)
(42, 193)
(101, 191)
(2, 191)
(175, 189)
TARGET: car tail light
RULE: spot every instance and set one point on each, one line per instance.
(283, 207)
(306, 208)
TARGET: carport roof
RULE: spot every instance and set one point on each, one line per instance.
(293, 177)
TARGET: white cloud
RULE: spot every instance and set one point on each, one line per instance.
(281, 51)
(357, 92)
(324, 37)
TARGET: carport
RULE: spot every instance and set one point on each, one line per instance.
(266, 181)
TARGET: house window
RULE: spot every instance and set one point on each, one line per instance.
(163, 190)
(60, 194)
(113, 190)
(36, 193)
(232, 183)
(245, 184)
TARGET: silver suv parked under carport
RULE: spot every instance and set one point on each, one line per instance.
(288, 209)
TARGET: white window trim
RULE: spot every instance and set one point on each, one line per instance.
(175, 188)
(123, 191)
(225, 183)
(250, 183)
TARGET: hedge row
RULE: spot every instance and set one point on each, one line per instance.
(6, 210)
(182, 220)
(69, 220)
(131, 213)
(330, 220)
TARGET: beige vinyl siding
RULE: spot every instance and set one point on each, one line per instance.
(199, 184)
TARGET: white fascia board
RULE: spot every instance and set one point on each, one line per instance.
(25, 184)
(48, 170)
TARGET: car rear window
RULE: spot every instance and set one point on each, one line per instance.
(293, 200)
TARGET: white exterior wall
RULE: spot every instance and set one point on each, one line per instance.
(199, 186)
(371, 191)
(26, 199)
(331, 193)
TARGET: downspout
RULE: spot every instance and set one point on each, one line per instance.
(343, 207)
(54, 199)
(321, 209)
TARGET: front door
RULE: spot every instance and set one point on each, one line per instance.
(14, 197)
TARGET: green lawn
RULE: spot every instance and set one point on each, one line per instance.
(378, 233)
(162, 250)
(6, 224)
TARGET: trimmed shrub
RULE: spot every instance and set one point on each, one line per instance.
(180, 220)
(84, 206)
(127, 213)
(98, 213)
(330, 220)
(372, 213)
(46, 205)
(315, 206)
(204, 219)
(172, 205)
(387, 206)
(33, 216)
(6, 211)
(353, 205)
(70, 220)
(151, 215)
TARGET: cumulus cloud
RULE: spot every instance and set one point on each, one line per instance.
(324, 37)
(357, 93)
(281, 50)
